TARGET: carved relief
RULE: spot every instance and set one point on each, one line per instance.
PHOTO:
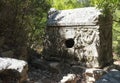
(87, 41)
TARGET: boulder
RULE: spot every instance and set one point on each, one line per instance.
(70, 78)
(92, 74)
(39, 64)
(9, 76)
(111, 77)
(54, 67)
(15, 70)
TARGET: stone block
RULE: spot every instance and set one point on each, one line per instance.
(81, 34)
(13, 69)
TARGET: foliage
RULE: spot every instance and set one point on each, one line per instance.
(116, 32)
(113, 7)
(22, 21)
(68, 4)
(108, 6)
(38, 20)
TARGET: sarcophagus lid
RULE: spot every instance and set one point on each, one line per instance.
(73, 17)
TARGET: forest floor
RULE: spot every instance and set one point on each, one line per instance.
(42, 72)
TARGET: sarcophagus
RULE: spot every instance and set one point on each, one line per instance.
(83, 35)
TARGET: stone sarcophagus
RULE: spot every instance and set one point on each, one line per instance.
(82, 34)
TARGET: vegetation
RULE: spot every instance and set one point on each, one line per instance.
(68, 4)
(22, 22)
(113, 7)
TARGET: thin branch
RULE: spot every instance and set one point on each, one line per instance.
(116, 21)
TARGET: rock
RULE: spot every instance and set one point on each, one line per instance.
(78, 69)
(114, 66)
(13, 68)
(9, 54)
(9, 75)
(39, 64)
(70, 78)
(45, 65)
(93, 74)
(55, 66)
(46, 81)
(110, 77)
(39, 81)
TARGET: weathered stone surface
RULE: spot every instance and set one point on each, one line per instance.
(82, 34)
(110, 67)
(79, 16)
(70, 78)
(92, 74)
(55, 66)
(110, 77)
(40, 64)
(12, 67)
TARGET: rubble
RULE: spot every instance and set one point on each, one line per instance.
(70, 78)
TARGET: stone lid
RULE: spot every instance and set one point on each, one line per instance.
(9, 63)
(73, 17)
